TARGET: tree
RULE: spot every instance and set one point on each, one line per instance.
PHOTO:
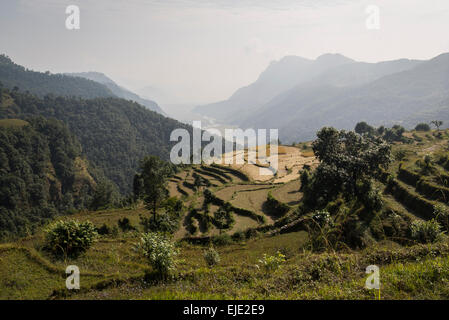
(153, 179)
(346, 158)
(363, 127)
(422, 127)
(104, 195)
(437, 124)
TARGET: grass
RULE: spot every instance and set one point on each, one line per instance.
(112, 269)
(12, 123)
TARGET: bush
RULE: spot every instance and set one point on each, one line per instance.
(442, 215)
(223, 218)
(125, 225)
(422, 127)
(239, 236)
(70, 238)
(426, 231)
(322, 218)
(104, 230)
(275, 206)
(166, 222)
(222, 240)
(271, 263)
(211, 257)
(159, 251)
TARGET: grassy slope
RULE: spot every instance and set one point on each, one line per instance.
(111, 269)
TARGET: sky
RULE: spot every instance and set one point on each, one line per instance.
(201, 51)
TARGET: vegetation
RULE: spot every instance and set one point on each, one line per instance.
(15, 76)
(42, 174)
(159, 251)
(390, 213)
(422, 127)
(211, 257)
(114, 134)
(426, 231)
(69, 238)
(272, 263)
(151, 183)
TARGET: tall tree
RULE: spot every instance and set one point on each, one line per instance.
(152, 182)
(437, 124)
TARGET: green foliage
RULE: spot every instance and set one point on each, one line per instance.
(151, 183)
(363, 127)
(69, 238)
(222, 239)
(346, 158)
(370, 195)
(211, 257)
(104, 230)
(272, 263)
(275, 206)
(426, 231)
(422, 127)
(159, 251)
(441, 214)
(322, 218)
(38, 175)
(437, 123)
(39, 83)
(125, 225)
(115, 134)
(105, 195)
(400, 154)
(223, 218)
(166, 222)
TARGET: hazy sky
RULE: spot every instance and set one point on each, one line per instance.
(202, 50)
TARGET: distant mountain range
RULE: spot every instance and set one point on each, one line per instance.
(299, 96)
(114, 133)
(86, 85)
(117, 90)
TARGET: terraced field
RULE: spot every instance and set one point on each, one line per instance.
(112, 269)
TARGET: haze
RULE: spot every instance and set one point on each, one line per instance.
(201, 51)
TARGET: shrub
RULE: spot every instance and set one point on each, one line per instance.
(275, 206)
(104, 230)
(159, 251)
(223, 218)
(422, 127)
(322, 218)
(211, 257)
(400, 154)
(222, 239)
(125, 225)
(271, 263)
(166, 222)
(442, 215)
(238, 236)
(70, 238)
(426, 231)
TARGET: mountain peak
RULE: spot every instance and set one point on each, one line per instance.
(333, 58)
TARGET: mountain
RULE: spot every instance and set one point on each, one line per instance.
(13, 75)
(117, 90)
(277, 78)
(406, 96)
(42, 172)
(162, 96)
(115, 134)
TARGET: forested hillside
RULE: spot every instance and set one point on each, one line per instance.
(41, 173)
(115, 134)
(13, 75)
